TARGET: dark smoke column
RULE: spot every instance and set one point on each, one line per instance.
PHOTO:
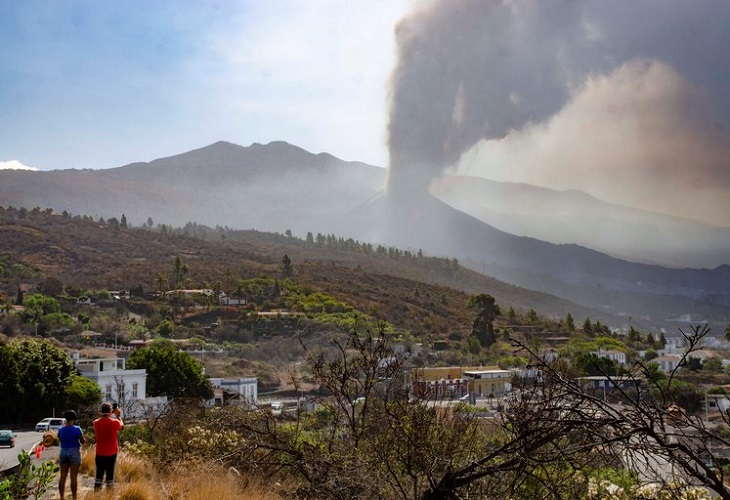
(468, 70)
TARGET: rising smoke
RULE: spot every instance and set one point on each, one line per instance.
(475, 71)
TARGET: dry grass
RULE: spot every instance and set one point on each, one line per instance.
(204, 482)
(136, 479)
(87, 461)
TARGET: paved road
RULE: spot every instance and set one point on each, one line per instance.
(23, 441)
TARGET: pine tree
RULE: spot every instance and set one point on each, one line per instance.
(588, 326)
(286, 266)
(569, 323)
(483, 326)
(511, 314)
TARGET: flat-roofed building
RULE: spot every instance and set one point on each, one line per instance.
(489, 383)
(450, 382)
(234, 390)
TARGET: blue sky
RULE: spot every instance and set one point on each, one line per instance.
(98, 84)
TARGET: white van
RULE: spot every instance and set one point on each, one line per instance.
(50, 424)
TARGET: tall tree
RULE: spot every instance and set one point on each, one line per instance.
(287, 269)
(588, 327)
(483, 325)
(81, 392)
(161, 283)
(511, 314)
(569, 322)
(179, 272)
(37, 308)
(36, 375)
(171, 372)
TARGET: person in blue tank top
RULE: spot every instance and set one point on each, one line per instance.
(71, 437)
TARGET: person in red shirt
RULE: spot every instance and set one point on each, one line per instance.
(107, 446)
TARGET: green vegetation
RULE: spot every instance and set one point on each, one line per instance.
(29, 480)
(36, 378)
(170, 372)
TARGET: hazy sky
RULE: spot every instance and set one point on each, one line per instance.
(101, 84)
(628, 101)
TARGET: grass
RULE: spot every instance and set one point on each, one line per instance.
(136, 479)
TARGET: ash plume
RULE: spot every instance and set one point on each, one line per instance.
(475, 71)
(466, 72)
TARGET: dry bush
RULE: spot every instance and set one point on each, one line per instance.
(88, 463)
(204, 481)
(136, 480)
(129, 468)
(137, 490)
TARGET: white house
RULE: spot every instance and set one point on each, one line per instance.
(667, 363)
(612, 354)
(239, 390)
(119, 385)
(674, 345)
(717, 402)
(225, 300)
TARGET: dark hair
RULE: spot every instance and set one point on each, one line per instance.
(106, 408)
(115, 406)
(70, 415)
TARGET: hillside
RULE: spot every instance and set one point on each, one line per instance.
(424, 295)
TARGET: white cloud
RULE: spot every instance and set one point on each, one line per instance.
(316, 76)
(639, 136)
(14, 165)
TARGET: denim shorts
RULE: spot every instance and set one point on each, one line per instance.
(71, 456)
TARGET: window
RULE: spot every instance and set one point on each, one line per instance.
(135, 385)
(108, 392)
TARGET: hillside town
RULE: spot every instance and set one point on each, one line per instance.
(608, 377)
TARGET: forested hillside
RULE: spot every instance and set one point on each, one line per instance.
(424, 294)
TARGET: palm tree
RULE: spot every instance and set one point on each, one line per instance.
(179, 271)
(162, 283)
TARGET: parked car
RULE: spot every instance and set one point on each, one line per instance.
(7, 438)
(50, 424)
(277, 408)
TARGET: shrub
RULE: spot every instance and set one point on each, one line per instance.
(28, 480)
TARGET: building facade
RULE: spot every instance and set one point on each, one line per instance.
(456, 381)
(234, 391)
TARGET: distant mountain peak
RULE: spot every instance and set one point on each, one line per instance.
(219, 146)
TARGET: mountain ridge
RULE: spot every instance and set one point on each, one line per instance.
(573, 216)
(279, 187)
